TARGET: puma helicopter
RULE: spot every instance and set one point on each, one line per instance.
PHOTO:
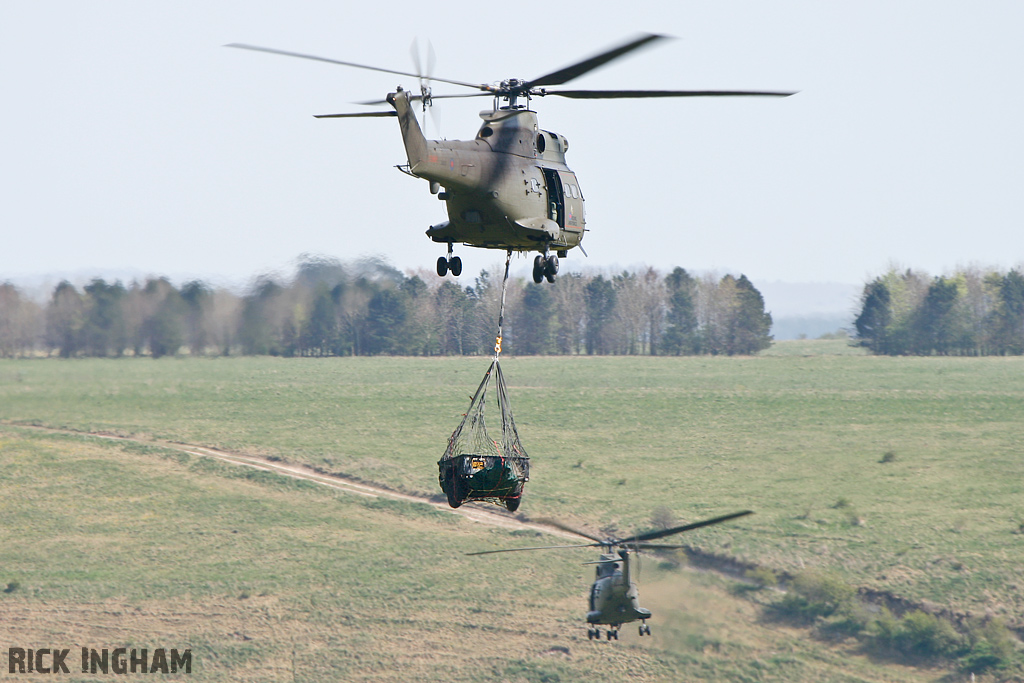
(509, 188)
(614, 597)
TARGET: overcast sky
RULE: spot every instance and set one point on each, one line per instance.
(133, 140)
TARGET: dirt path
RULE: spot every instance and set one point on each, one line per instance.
(483, 513)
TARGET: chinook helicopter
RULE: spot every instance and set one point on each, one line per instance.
(510, 187)
(614, 597)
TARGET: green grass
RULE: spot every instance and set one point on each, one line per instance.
(267, 579)
(613, 438)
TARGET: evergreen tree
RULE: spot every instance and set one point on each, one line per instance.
(680, 336)
(1009, 316)
(385, 320)
(103, 332)
(875, 316)
(750, 325)
(934, 328)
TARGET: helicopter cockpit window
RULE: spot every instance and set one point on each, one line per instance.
(540, 143)
(486, 132)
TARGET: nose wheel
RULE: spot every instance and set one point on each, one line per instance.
(645, 630)
(545, 267)
(449, 263)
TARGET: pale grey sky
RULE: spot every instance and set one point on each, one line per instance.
(133, 140)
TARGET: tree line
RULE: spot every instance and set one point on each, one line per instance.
(367, 307)
(969, 313)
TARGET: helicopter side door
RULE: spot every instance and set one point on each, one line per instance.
(556, 196)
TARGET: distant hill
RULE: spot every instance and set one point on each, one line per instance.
(810, 309)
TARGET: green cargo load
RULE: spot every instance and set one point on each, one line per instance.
(476, 466)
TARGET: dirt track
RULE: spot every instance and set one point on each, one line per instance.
(484, 513)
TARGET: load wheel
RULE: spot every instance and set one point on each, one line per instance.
(449, 490)
(442, 266)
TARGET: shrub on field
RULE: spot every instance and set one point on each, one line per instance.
(990, 646)
(812, 595)
(917, 634)
(662, 518)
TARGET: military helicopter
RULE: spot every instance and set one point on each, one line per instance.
(614, 597)
(509, 188)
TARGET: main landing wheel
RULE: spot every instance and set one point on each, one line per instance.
(453, 264)
(551, 268)
(545, 267)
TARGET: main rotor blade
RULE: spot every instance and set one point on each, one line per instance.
(416, 98)
(315, 58)
(559, 525)
(579, 68)
(637, 94)
(366, 114)
(651, 535)
(539, 547)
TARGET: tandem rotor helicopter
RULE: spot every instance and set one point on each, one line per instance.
(509, 188)
(614, 597)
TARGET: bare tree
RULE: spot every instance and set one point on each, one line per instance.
(21, 322)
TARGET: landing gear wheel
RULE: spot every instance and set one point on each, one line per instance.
(442, 266)
(613, 634)
(538, 269)
(551, 267)
(455, 265)
(512, 504)
(590, 634)
(645, 630)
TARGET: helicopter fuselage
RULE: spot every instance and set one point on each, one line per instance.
(509, 188)
(614, 598)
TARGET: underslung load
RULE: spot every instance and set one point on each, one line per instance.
(482, 464)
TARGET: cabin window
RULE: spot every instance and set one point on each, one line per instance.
(540, 143)
(486, 132)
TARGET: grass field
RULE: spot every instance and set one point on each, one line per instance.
(899, 474)
(269, 579)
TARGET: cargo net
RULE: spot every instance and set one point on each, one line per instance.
(481, 464)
